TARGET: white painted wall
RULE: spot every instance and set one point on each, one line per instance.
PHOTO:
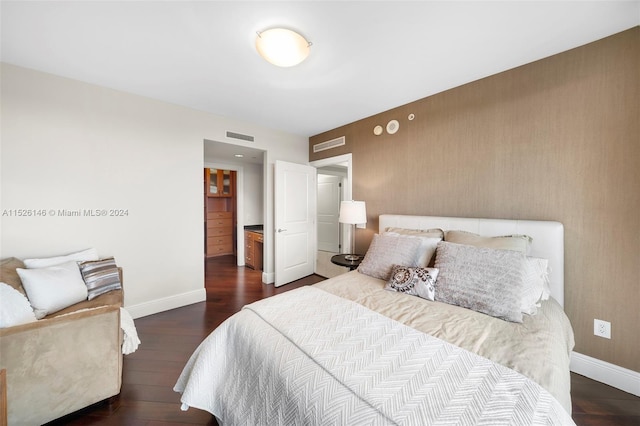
(68, 145)
(253, 183)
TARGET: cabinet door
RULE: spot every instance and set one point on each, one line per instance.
(219, 183)
(211, 182)
(248, 249)
(225, 181)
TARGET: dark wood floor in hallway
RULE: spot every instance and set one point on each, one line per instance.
(168, 339)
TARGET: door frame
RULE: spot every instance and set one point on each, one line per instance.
(346, 190)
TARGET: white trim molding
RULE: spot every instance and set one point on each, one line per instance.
(604, 372)
(268, 277)
(167, 303)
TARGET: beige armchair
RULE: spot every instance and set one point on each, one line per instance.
(63, 362)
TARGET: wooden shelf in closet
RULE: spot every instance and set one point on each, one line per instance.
(220, 212)
(219, 183)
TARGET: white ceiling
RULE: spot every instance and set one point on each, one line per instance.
(367, 57)
(221, 154)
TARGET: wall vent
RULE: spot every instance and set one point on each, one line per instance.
(333, 143)
(234, 135)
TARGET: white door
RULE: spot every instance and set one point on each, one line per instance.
(328, 212)
(295, 221)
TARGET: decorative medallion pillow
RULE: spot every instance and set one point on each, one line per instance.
(483, 279)
(100, 276)
(414, 281)
(386, 251)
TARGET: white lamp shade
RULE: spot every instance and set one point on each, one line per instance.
(282, 47)
(354, 212)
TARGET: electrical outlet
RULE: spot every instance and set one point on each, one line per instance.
(602, 328)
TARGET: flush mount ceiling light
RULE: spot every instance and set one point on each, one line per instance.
(282, 47)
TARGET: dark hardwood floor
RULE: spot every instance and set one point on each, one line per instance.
(168, 339)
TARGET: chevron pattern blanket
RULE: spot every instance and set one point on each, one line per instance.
(309, 357)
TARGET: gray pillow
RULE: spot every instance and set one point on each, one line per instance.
(428, 241)
(386, 251)
(483, 279)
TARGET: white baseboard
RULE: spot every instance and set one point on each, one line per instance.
(604, 372)
(167, 303)
(268, 278)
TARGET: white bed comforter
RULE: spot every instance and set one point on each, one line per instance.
(539, 348)
(310, 357)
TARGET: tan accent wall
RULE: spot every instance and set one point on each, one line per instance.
(557, 139)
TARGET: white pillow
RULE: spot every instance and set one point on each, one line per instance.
(536, 283)
(53, 288)
(14, 307)
(80, 256)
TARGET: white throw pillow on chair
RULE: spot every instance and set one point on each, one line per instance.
(80, 256)
(53, 288)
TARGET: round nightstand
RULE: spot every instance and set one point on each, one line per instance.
(340, 259)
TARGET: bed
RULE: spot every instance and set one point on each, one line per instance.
(367, 348)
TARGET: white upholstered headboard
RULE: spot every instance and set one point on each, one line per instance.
(548, 237)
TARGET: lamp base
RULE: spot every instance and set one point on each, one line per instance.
(352, 257)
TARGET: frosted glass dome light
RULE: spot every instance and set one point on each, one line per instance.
(282, 47)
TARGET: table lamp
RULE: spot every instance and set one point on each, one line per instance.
(352, 212)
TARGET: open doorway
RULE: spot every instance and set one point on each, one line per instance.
(248, 165)
(330, 182)
(334, 185)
